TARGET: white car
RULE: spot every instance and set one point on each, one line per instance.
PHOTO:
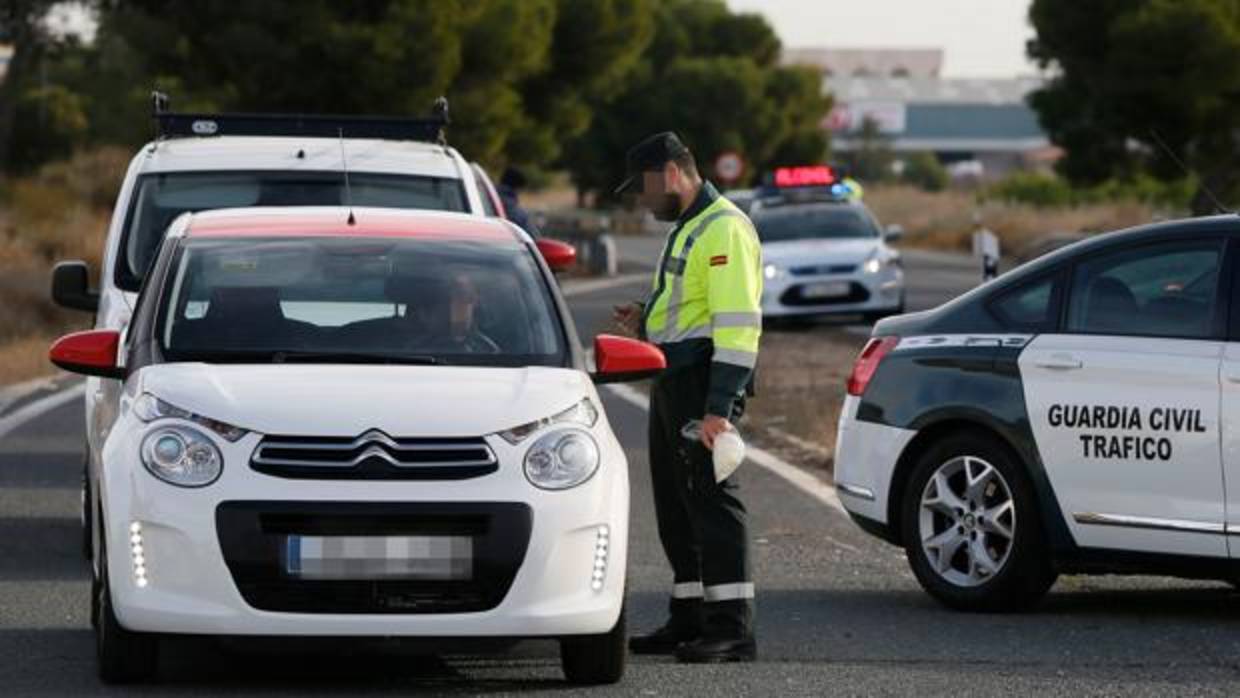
(202, 162)
(356, 422)
(1075, 415)
(826, 256)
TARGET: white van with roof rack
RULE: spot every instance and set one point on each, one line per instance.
(211, 161)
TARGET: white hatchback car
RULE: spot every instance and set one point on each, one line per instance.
(356, 423)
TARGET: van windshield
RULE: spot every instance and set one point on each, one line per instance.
(159, 198)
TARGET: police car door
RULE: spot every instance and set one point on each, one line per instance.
(1124, 401)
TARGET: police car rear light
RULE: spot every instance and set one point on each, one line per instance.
(867, 363)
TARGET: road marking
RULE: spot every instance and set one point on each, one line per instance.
(38, 408)
(820, 490)
(578, 288)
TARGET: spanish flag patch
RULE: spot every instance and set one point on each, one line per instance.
(719, 260)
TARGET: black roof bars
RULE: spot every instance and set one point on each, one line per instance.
(430, 129)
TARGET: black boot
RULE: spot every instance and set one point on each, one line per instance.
(684, 625)
(717, 650)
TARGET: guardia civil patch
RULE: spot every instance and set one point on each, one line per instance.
(719, 260)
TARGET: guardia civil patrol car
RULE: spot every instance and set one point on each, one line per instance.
(1070, 416)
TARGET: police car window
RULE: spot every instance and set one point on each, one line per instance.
(813, 222)
(160, 198)
(1028, 308)
(457, 303)
(1164, 290)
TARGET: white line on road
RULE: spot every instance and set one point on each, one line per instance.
(577, 288)
(38, 408)
(809, 484)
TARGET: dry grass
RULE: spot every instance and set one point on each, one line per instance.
(944, 220)
(61, 212)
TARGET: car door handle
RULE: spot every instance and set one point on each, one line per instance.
(1059, 362)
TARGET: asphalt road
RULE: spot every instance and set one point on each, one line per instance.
(838, 612)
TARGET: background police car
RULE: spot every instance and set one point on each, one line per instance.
(1070, 416)
(824, 251)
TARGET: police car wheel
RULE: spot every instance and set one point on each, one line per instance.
(971, 529)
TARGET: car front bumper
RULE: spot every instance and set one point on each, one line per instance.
(214, 558)
(789, 295)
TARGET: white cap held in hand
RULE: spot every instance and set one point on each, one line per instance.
(728, 453)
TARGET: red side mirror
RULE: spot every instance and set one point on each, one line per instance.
(622, 359)
(91, 353)
(559, 255)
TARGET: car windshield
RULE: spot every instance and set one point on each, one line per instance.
(160, 198)
(358, 300)
(814, 222)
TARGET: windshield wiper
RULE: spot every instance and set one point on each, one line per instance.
(281, 357)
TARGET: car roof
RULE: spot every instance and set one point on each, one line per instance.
(294, 153)
(334, 221)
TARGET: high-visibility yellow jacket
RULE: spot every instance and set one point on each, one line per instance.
(706, 301)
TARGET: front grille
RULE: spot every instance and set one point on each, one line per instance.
(794, 297)
(254, 538)
(823, 269)
(373, 456)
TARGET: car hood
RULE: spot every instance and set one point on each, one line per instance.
(347, 400)
(839, 251)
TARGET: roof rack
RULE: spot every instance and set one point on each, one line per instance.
(170, 124)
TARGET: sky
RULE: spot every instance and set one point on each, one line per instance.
(980, 38)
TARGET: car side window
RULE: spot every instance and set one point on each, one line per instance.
(1160, 290)
(1030, 307)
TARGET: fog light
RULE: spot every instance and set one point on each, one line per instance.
(601, 543)
(137, 555)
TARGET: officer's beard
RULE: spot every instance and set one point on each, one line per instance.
(668, 208)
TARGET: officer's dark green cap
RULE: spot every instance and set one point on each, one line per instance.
(652, 153)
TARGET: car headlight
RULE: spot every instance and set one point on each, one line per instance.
(874, 264)
(149, 408)
(583, 413)
(182, 456)
(771, 271)
(562, 459)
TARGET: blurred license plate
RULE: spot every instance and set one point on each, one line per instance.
(833, 289)
(430, 558)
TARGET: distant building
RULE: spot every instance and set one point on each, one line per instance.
(869, 63)
(978, 128)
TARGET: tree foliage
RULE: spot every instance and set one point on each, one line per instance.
(1132, 73)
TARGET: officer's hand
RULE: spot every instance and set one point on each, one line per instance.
(625, 318)
(712, 426)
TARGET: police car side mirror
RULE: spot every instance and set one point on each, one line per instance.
(560, 256)
(71, 287)
(90, 353)
(893, 232)
(620, 359)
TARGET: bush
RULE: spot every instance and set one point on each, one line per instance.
(1046, 191)
(923, 170)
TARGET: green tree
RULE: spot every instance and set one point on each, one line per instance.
(1129, 69)
(713, 77)
(21, 24)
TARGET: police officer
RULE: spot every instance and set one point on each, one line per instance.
(704, 312)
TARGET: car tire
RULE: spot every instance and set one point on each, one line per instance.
(122, 656)
(593, 660)
(974, 538)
